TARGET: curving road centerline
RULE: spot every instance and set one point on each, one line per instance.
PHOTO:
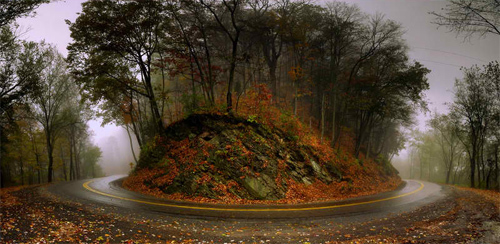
(86, 185)
(109, 191)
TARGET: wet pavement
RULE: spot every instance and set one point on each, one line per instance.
(108, 191)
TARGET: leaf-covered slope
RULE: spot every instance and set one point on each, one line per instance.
(211, 157)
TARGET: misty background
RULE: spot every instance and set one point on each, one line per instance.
(442, 52)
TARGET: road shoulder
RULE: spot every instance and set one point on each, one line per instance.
(35, 215)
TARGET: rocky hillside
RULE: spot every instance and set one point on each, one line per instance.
(221, 158)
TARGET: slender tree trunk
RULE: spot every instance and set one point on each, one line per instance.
(131, 145)
(448, 173)
(322, 116)
(478, 169)
(162, 68)
(146, 75)
(154, 109)
(71, 157)
(497, 170)
(21, 161)
(368, 144)
(30, 178)
(455, 172)
(429, 171)
(193, 90)
(411, 164)
(273, 79)
(64, 164)
(77, 160)
(333, 118)
(229, 97)
(363, 123)
(488, 179)
(295, 97)
(38, 169)
(472, 171)
(136, 131)
(50, 150)
(421, 166)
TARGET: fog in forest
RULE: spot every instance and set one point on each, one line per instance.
(442, 52)
(116, 153)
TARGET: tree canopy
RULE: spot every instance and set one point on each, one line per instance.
(12, 9)
(468, 17)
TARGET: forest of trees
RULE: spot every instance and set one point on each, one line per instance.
(43, 121)
(462, 146)
(146, 64)
(345, 73)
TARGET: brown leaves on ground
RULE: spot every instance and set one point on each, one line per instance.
(359, 177)
(297, 192)
(6, 199)
(493, 196)
(459, 218)
(30, 217)
(260, 150)
(466, 216)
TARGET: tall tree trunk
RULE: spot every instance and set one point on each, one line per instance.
(411, 164)
(448, 173)
(131, 145)
(133, 120)
(64, 164)
(455, 172)
(472, 171)
(193, 89)
(295, 98)
(497, 170)
(156, 113)
(157, 118)
(71, 162)
(32, 173)
(421, 166)
(488, 178)
(478, 169)
(322, 116)
(232, 68)
(38, 169)
(273, 80)
(21, 161)
(50, 150)
(368, 145)
(429, 171)
(77, 160)
(333, 118)
(364, 121)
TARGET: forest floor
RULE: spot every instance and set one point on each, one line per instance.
(31, 214)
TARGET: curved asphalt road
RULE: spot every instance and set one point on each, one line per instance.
(108, 191)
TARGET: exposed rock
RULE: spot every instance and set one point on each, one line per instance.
(262, 187)
(210, 155)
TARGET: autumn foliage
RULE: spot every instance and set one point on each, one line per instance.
(259, 154)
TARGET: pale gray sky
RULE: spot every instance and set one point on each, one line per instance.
(49, 25)
(440, 51)
(437, 49)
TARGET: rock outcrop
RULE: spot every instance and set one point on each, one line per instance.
(211, 155)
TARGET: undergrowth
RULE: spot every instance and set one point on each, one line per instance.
(258, 142)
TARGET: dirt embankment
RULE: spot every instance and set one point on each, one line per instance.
(226, 159)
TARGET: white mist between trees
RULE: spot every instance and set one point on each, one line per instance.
(115, 147)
